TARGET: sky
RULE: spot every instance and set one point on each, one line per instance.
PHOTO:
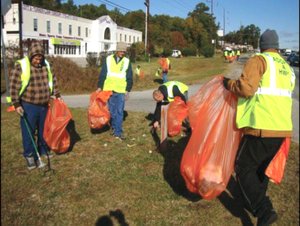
(280, 15)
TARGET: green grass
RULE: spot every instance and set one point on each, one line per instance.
(122, 177)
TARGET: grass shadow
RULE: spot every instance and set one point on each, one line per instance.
(234, 202)
(74, 136)
(158, 80)
(106, 220)
(172, 152)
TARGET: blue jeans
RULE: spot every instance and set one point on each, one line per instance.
(35, 116)
(165, 76)
(116, 104)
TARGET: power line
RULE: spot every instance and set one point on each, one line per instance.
(121, 8)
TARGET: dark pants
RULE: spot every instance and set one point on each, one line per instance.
(35, 116)
(254, 156)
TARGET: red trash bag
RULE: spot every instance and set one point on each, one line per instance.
(276, 167)
(98, 112)
(208, 159)
(55, 132)
(177, 112)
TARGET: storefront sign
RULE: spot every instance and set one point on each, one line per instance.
(60, 41)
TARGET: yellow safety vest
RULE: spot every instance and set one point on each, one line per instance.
(116, 75)
(271, 106)
(25, 76)
(182, 88)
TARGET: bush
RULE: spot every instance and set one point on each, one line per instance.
(208, 51)
(93, 59)
(189, 51)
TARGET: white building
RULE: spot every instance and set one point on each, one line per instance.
(66, 35)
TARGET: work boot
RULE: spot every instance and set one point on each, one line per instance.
(120, 137)
(30, 163)
(268, 218)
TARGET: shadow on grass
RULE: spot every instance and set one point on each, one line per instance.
(158, 80)
(106, 220)
(74, 136)
(172, 152)
(234, 203)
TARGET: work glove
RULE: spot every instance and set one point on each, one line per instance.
(225, 82)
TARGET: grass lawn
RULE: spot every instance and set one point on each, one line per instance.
(103, 181)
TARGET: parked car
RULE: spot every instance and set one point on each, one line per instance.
(176, 53)
(294, 60)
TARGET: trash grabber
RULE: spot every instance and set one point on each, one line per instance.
(41, 164)
(155, 138)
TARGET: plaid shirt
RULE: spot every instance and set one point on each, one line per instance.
(37, 91)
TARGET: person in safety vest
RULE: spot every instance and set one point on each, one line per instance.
(166, 94)
(116, 75)
(264, 113)
(31, 85)
(238, 53)
(165, 65)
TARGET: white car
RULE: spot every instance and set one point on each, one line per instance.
(176, 53)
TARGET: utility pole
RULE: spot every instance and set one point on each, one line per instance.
(147, 4)
(20, 28)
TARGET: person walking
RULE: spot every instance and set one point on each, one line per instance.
(166, 94)
(264, 112)
(32, 83)
(116, 76)
(165, 65)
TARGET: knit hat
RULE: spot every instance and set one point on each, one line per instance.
(269, 40)
(35, 49)
(121, 46)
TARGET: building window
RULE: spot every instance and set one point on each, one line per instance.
(129, 38)
(133, 39)
(59, 28)
(86, 32)
(107, 34)
(70, 29)
(79, 31)
(125, 38)
(35, 24)
(48, 26)
(120, 37)
(85, 47)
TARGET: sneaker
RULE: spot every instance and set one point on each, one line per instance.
(267, 219)
(30, 163)
(120, 137)
(112, 132)
(40, 163)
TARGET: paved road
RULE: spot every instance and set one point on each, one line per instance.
(141, 101)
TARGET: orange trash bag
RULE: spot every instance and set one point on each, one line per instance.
(276, 167)
(98, 112)
(55, 132)
(177, 112)
(208, 159)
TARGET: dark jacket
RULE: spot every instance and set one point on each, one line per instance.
(164, 91)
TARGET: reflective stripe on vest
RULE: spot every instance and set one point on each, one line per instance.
(25, 76)
(271, 106)
(116, 75)
(182, 88)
